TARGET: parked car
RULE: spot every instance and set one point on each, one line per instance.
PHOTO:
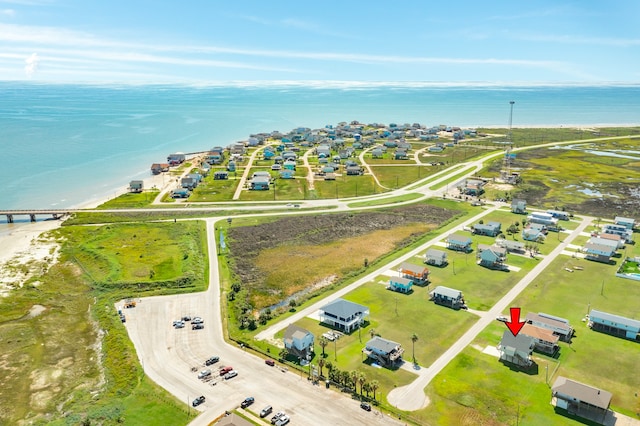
(270, 362)
(199, 400)
(178, 324)
(266, 411)
(502, 318)
(365, 406)
(277, 417)
(282, 420)
(197, 326)
(225, 370)
(230, 375)
(197, 320)
(247, 402)
(212, 360)
(204, 373)
(186, 318)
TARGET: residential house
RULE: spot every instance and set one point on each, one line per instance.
(613, 237)
(268, 154)
(627, 222)
(615, 325)
(289, 155)
(543, 218)
(354, 170)
(136, 186)
(492, 257)
(188, 183)
(599, 252)
(473, 187)
(560, 215)
(510, 245)
(231, 166)
(286, 174)
(177, 158)
(376, 153)
(400, 284)
(298, 341)
(400, 154)
(220, 175)
(343, 315)
(418, 273)
(260, 183)
(157, 168)
(544, 340)
(621, 230)
(581, 400)
(435, 257)
(558, 326)
(491, 229)
(180, 193)
(289, 165)
(446, 296)
(532, 233)
(459, 242)
(516, 350)
(330, 176)
(519, 206)
(383, 352)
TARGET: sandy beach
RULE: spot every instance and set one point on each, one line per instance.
(24, 243)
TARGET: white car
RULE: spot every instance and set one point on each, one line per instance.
(204, 373)
(282, 420)
(230, 375)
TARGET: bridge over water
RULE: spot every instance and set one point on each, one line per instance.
(54, 213)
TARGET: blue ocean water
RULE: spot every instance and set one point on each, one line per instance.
(65, 145)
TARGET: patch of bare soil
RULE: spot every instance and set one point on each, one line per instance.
(247, 242)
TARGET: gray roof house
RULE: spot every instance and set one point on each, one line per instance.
(516, 350)
(343, 315)
(435, 257)
(519, 206)
(446, 296)
(136, 186)
(298, 341)
(581, 400)
(491, 229)
(384, 352)
(459, 242)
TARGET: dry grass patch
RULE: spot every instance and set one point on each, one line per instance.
(289, 269)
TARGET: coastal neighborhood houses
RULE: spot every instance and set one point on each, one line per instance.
(343, 315)
(578, 399)
(384, 352)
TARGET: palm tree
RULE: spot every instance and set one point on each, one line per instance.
(372, 332)
(321, 364)
(367, 388)
(414, 339)
(323, 342)
(362, 379)
(329, 366)
(354, 378)
(374, 387)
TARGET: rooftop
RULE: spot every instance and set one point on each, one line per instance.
(585, 393)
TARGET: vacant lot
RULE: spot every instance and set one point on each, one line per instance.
(277, 259)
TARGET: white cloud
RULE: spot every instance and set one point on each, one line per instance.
(8, 12)
(31, 64)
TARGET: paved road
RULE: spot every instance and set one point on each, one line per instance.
(412, 396)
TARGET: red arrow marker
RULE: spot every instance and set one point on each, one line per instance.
(515, 325)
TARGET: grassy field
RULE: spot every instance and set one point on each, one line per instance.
(143, 256)
(49, 363)
(131, 200)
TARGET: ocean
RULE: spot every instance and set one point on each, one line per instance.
(66, 145)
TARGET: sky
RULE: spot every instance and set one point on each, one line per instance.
(208, 42)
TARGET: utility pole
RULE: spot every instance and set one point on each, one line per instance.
(511, 120)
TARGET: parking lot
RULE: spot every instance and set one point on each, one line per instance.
(173, 357)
